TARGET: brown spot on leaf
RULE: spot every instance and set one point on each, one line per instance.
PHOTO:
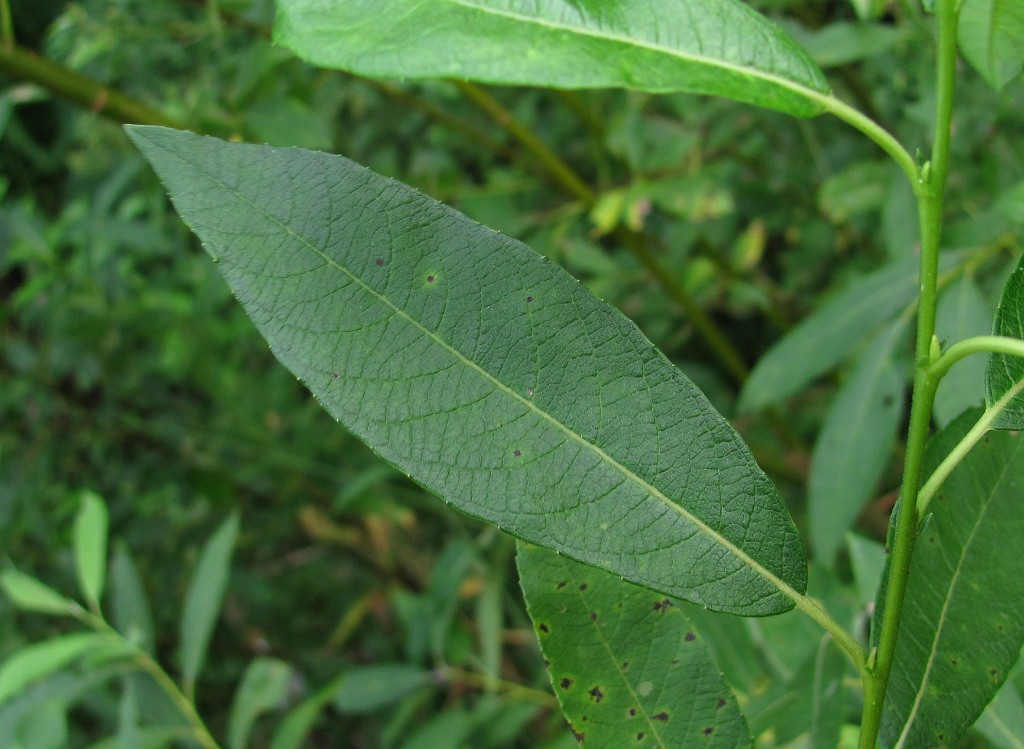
(721, 702)
(639, 737)
(708, 731)
(597, 694)
(583, 586)
(632, 712)
(380, 262)
(560, 586)
(517, 452)
(565, 683)
(690, 637)
(578, 735)
(593, 616)
(543, 628)
(662, 716)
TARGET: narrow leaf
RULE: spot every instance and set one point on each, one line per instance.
(717, 47)
(131, 615)
(91, 524)
(856, 440)
(962, 312)
(830, 334)
(205, 594)
(991, 36)
(486, 372)
(867, 560)
(962, 627)
(293, 729)
(1005, 371)
(626, 665)
(25, 592)
(371, 687)
(264, 687)
(33, 662)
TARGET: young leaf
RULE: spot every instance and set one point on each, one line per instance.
(962, 312)
(830, 334)
(131, 614)
(27, 593)
(33, 662)
(486, 372)
(1005, 371)
(91, 546)
(991, 36)
(626, 665)
(856, 440)
(264, 686)
(717, 47)
(962, 628)
(204, 598)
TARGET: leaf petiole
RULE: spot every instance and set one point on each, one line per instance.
(994, 344)
(958, 453)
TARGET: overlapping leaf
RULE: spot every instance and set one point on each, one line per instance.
(486, 372)
(626, 665)
(963, 617)
(718, 47)
(1005, 371)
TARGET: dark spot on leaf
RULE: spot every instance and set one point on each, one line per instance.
(597, 694)
(632, 712)
(887, 401)
(887, 550)
(690, 637)
(543, 627)
(583, 586)
(517, 452)
(994, 672)
(662, 605)
(529, 299)
(335, 375)
(675, 661)
(561, 585)
(662, 716)
(578, 735)
(708, 731)
(639, 737)
(954, 661)
(593, 616)
(931, 539)
(625, 666)
(380, 261)
(565, 683)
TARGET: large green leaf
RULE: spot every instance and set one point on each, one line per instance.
(626, 665)
(962, 627)
(856, 440)
(830, 334)
(1005, 371)
(718, 47)
(991, 36)
(486, 372)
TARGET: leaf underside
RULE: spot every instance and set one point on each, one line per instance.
(963, 618)
(627, 666)
(486, 372)
(717, 47)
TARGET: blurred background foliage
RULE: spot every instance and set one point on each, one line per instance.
(126, 367)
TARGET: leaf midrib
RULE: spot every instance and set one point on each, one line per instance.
(628, 474)
(812, 95)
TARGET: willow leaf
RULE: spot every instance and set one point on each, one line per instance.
(963, 618)
(627, 666)
(717, 47)
(1005, 371)
(486, 372)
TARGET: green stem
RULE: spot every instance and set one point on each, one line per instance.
(958, 453)
(144, 662)
(994, 344)
(930, 189)
(843, 638)
(6, 25)
(73, 86)
(510, 688)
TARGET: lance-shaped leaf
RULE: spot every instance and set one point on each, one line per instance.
(627, 666)
(991, 36)
(486, 372)
(717, 47)
(856, 440)
(963, 618)
(1005, 371)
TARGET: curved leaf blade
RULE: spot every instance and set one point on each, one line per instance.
(486, 372)
(716, 47)
(1005, 371)
(962, 626)
(991, 36)
(91, 524)
(627, 666)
